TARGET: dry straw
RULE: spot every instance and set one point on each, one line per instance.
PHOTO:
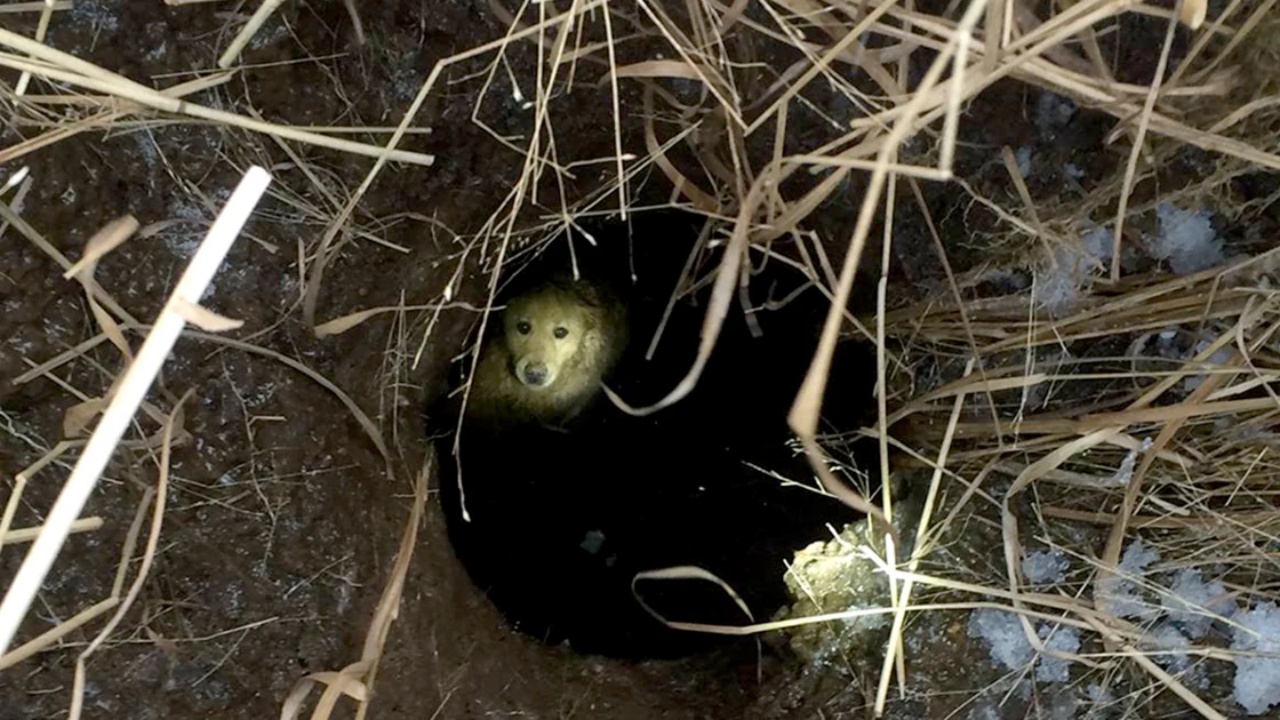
(133, 385)
(929, 332)
(728, 154)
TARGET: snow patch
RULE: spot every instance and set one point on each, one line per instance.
(1023, 158)
(1053, 112)
(1044, 567)
(1257, 681)
(1194, 604)
(1187, 240)
(1119, 596)
(1220, 357)
(1003, 633)
(1057, 286)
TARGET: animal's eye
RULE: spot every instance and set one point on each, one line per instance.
(523, 327)
(561, 333)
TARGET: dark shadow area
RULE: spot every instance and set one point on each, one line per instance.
(561, 521)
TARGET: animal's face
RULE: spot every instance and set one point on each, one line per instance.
(543, 333)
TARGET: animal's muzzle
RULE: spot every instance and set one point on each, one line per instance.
(535, 374)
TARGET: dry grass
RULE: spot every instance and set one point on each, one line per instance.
(1067, 416)
(728, 151)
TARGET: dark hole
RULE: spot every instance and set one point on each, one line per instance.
(562, 521)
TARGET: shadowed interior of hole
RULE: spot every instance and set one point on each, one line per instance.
(562, 521)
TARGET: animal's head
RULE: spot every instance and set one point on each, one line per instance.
(545, 330)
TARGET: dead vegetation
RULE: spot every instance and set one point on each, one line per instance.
(723, 96)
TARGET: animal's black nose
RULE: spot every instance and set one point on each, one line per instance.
(535, 374)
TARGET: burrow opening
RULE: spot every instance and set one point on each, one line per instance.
(560, 522)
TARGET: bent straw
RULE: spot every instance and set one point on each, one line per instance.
(137, 380)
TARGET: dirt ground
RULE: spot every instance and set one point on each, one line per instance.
(281, 527)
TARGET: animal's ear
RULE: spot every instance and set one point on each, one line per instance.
(592, 337)
(589, 294)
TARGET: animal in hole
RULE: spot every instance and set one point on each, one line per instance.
(558, 342)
